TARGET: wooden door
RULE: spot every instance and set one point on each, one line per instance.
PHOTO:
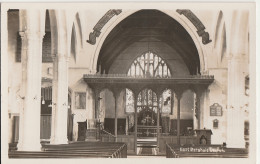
(45, 126)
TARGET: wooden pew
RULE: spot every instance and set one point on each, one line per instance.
(119, 148)
(32, 154)
(76, 150)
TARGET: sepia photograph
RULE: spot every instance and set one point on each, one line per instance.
(99, 80)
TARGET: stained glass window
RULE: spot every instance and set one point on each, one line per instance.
(147, 98)
(167, 101)
(149, 65)
(129, 101)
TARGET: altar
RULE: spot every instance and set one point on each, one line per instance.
(147, 131)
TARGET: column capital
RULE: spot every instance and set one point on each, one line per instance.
(178, 94)
(116, 92)
(60, 57)
(199, 89)
(239, 57)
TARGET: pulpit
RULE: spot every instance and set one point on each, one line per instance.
(82, 128)
(203, 136)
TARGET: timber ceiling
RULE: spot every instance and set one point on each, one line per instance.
(149, 24)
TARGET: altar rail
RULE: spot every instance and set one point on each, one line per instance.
(212, 151)
(105, 136)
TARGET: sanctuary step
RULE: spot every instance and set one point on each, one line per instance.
(91, 135)
(147, 142)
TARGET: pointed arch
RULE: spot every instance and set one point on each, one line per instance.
(224, 42)
(218, 27)
(78, 28)
(73, 47)
(54, 32)
(220, 40)
(149, 64)
(186, 24)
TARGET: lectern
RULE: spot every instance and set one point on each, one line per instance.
(82, 128)
(203, 136)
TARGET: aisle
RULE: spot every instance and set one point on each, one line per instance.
(147, 146)
(147, 151)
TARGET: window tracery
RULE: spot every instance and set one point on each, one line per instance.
(149, 65)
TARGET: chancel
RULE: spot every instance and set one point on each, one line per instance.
(117, 83)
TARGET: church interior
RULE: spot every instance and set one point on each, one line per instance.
(117, 83)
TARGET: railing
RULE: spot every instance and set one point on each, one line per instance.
(105, 136)
(170, 153)
(148, 77)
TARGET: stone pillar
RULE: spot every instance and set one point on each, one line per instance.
(32, 32)
(60, 99)
(238, 60)
(60, 51)
(235, 115)
(54, 98)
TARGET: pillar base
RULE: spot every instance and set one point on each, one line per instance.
(235, 129)
(237, 144)
(29, 146)
(59, 141)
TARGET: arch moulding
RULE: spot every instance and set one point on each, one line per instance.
(188, 26)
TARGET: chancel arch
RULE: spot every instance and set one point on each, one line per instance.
(184, 23)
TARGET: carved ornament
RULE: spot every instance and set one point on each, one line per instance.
(101, 23)
(197, 23)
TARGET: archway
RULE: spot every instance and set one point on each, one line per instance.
(46, 112)
(172, 16)
(147, 46)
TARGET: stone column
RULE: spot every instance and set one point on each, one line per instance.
(32, 26)
(238, 61)
(60, 50)
(235, 115)
(54, 98)
(60, 99)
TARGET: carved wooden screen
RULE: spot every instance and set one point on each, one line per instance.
(149, 65)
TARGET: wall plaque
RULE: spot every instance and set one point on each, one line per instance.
(216, 110)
